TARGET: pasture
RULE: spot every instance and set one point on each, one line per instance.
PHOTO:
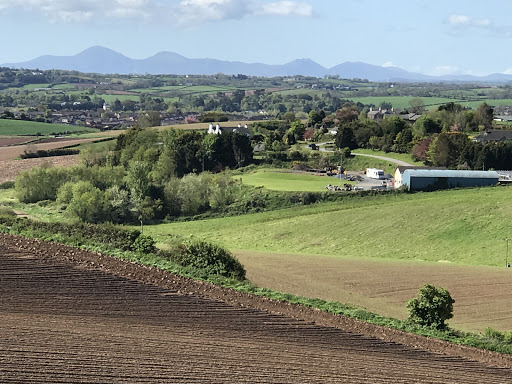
(288, 181)
(398, 156)
(33, 128)
(402, 102)
(458, 226)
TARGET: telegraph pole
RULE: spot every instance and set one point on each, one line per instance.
(506, 254)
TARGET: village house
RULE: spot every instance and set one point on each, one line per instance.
(218, 130)
(493, 136)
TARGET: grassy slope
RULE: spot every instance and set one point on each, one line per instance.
(398, 156)
(286, 181)
(22, 128)
(462, 226)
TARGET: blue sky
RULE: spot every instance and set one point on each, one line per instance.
(433, 37)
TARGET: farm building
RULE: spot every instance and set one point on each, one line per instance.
(435, 179)
(399, 172)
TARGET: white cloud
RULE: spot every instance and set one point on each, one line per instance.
(81, 10)
(388, 64)
(215, 10)
(187, 11)
(463, 20)
(286, 8)
(508, 71)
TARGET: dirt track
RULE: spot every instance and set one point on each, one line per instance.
(71, 316)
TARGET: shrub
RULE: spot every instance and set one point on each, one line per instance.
(39, 184)
(209, 257)
(6, 211)
(493, 334)
(432, 307)
(7, 185)
(144, 244)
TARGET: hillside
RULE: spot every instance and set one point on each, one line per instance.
(459, 226)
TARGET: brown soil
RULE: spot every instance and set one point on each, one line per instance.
(72, 316)
(11, 168)
(8, 141)
(481, 295)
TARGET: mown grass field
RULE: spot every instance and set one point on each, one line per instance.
(360, 163)
(28, 128)
(457, 226)
(398, 156)
(288, 181)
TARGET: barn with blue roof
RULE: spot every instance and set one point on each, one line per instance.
(435, 179)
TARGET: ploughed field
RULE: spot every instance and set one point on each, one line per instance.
(70, 316)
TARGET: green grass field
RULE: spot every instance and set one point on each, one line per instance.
(27, 128)
(32, 87)
(458, 226)
(402, 102)
(111, 98)
(398, 156)
(288, 181)
(360, 163)
(63, 86)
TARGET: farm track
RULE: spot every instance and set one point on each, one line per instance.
(71, 316)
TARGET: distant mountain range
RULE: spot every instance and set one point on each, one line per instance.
(103, 60)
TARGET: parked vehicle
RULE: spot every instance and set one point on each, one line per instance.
(374, 173)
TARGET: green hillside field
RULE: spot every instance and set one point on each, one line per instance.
(458, 226)
(32, 128)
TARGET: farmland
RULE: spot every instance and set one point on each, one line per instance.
(403, 102)
(111, 321)
(287, 181)
(33, 128)
(341, 250)
(459, 226)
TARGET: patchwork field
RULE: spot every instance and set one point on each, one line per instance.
(402, 102)
(11, 153)
(72, 316)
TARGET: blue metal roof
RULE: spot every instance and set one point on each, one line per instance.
(452, 173)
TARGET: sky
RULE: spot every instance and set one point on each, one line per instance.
(432, 37)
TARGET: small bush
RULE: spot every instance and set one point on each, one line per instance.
(7, 185)
(493, 334)
(432, 307)
(206, 256)
(144, 244)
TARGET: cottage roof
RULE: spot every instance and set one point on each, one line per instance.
(495, 135)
